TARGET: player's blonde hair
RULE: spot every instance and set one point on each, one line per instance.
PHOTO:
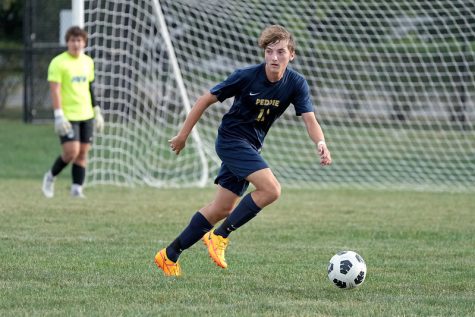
(275, 33)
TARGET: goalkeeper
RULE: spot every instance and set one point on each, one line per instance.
(76, 115)
(261, 94)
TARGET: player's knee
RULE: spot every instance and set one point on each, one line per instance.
(215, 212)
(226, 209)
(81, 159)
(70, 156)
(273, 192)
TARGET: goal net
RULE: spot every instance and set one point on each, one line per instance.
(392, 82)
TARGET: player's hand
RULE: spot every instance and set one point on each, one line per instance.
(98, 120)
(62, 126)
(177, 143)
(325, 156)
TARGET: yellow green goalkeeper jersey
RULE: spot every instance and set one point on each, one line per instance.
(75, 75)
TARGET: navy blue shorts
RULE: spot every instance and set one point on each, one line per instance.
(239, 160)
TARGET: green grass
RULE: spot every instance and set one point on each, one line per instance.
(95, 256)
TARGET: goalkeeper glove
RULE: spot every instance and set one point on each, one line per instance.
(62, 126)
(98, 120)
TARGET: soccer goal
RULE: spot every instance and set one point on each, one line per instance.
(392, 82)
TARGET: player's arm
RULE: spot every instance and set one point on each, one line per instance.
(61, 124)
(55, 90)
(315, 133)
(98, 118)
(177, 143)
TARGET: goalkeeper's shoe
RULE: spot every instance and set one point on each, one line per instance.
(216, 247)
(168, 267)
(48, 185)
(76, 191)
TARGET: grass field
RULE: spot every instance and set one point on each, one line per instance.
(95, 256)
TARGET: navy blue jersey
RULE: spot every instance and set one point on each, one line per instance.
(259, 102)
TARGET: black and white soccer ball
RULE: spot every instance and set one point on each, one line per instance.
(347, 269)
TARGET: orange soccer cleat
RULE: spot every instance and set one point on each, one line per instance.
(216, 247)
(168, 267)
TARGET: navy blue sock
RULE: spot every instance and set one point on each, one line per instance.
(244, 211)
(198, 226)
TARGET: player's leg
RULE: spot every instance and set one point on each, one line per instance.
(78, 170)
(235, 186)
(216, 211)
(201, 222)
(267, 187)
(267, 191)
(245, 165)
(221, 206)
(70, 149)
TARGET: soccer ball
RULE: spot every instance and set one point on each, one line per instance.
(347, 269)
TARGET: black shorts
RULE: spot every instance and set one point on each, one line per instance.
(83, 131)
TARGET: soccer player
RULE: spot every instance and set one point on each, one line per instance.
(261, 94)
(76, 114)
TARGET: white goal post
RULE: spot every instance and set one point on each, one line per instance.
(392, 82)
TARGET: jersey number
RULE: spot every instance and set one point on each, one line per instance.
(262, 114)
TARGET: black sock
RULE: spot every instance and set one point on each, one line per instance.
(58, 166)
(198, 226)
(79, 174)
(244, 211)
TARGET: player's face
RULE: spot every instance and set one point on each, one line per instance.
(277, 57)
(76, 45)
